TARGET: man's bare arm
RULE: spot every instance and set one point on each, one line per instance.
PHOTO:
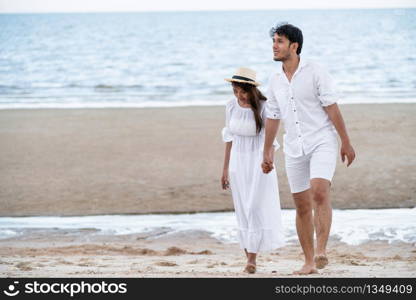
(336, 117)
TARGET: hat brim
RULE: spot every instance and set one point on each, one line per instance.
(255, 83)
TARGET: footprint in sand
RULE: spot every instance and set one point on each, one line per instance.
(65, 262)
(179, 251)
(85, 259)
(174, 251)
(40, 265)
(204, 252)
(165, 264)
(354, 263)
(192, 262)
(84, 265)
(24, 266)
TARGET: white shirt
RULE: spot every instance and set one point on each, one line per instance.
(299, 103)
(240, 128)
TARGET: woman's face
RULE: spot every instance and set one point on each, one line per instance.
(240, 94)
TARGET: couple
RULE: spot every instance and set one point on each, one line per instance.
(301, 94)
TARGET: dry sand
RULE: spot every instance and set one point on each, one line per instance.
(100, 161)
(186, 254)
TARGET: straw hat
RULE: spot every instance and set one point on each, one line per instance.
(244, 75)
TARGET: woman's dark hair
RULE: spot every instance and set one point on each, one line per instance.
(292, 33)
(254, 97)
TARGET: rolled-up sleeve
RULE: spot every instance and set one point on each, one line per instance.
(326, 88)
(227, 136)
(272, 106)
(264, 116)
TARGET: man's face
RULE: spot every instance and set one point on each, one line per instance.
(281, 48)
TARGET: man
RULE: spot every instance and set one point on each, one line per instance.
(302, 94)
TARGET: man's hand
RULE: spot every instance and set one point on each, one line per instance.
(336, 117)
(267, 168)
(348, 151)
(267, 164)
(271, 128)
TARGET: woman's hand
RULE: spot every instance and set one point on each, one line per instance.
(224, 180)
(268, 159)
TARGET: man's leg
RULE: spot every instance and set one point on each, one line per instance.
(304, 227)
(322, 218)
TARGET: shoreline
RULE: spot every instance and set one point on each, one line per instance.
(169, 105)
(183, 212)
(362, 225)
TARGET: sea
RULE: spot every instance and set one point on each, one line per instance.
(170, 59)
(167, 59)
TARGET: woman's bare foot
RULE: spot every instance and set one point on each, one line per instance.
(250, 268)
(251, 263)
(306, 270)
(321, 261)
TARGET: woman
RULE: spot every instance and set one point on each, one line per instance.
(255, 194)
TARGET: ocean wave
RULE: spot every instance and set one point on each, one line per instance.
(353, 227)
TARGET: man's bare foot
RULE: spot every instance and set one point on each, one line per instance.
(250, 268)
(321, 261)
(306, 270)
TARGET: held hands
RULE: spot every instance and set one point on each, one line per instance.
(267, 164)
(348, 151)
(224, 180)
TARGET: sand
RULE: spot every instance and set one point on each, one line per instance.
(137, 161)
(134, 161)
(186, 254)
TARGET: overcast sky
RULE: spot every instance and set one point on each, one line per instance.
(187, 5)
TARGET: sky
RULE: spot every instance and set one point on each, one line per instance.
(41, 6)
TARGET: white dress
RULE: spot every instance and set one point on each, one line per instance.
(255, 194)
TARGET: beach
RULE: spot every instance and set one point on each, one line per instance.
(158, 160)
(77, 162)
(111, 151)
(186, 254)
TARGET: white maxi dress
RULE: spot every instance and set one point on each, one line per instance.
(255, 194)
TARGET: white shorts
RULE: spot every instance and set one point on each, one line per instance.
(320, 163)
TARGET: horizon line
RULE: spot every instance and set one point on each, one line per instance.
(208, 10)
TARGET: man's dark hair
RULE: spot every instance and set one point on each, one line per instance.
(292, 33)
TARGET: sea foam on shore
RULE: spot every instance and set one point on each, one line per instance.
(350, 226)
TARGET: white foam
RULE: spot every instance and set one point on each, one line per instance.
(350, 226)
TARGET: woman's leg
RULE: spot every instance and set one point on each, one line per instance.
(251, 262)
(251, 258)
